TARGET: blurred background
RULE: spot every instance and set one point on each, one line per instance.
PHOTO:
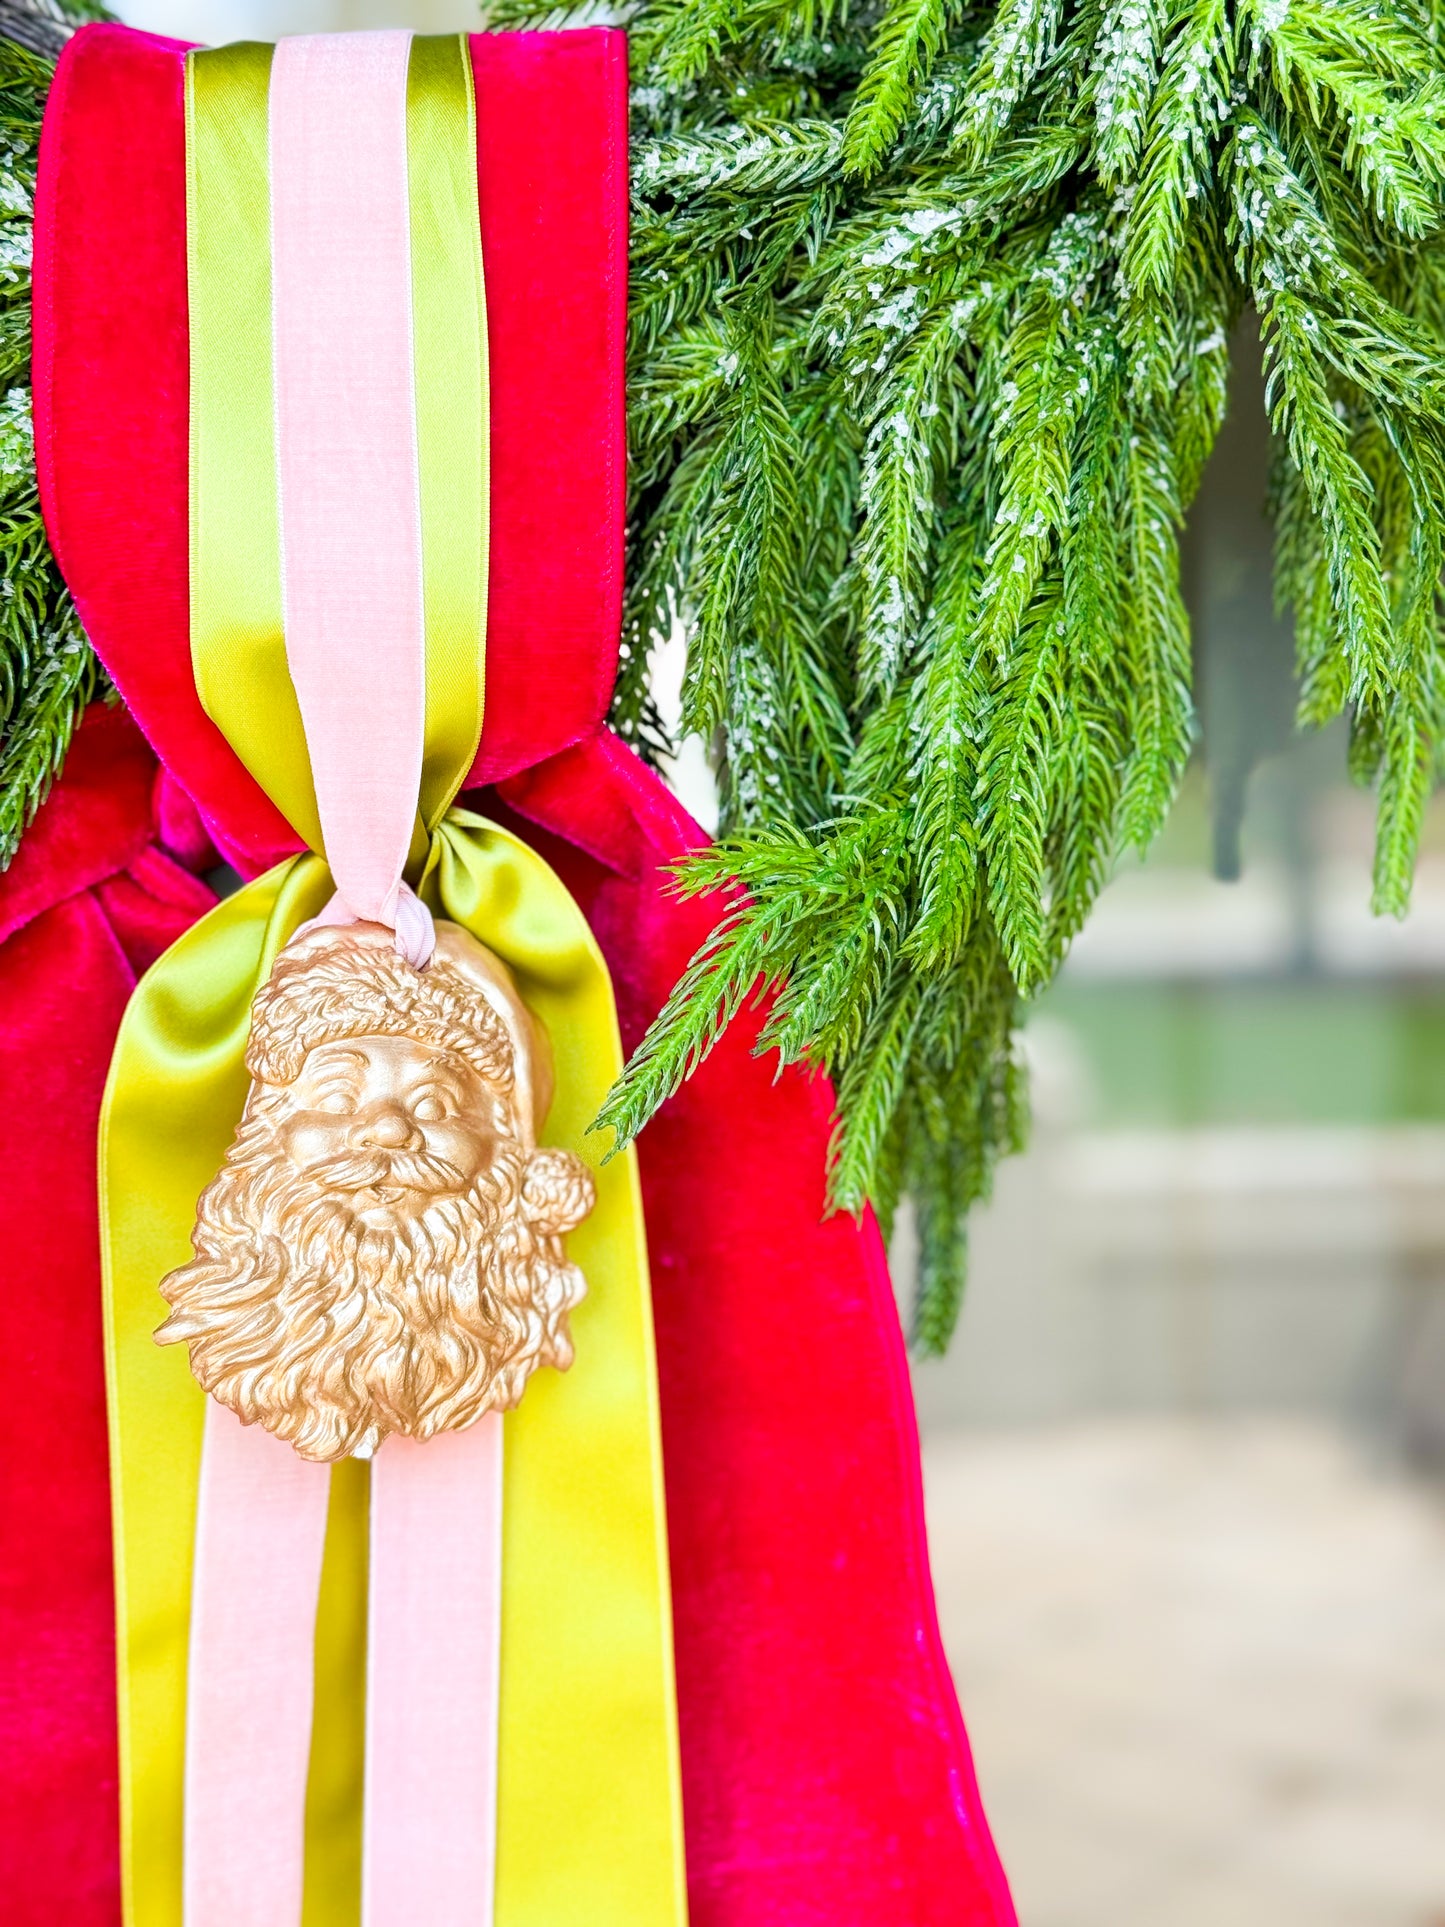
(1185, 1463)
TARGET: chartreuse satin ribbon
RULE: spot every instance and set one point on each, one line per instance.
(589, 1819)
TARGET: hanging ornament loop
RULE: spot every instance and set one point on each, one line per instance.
(401, 911)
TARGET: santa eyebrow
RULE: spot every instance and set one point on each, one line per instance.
(447, 1063)
(341, 1063)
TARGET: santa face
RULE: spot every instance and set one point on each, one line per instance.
(381, 1251)
(392, 1124)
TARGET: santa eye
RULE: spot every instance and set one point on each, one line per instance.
(335, 1099)
(430, 1107)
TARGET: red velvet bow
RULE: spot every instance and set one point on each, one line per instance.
(827, 1778)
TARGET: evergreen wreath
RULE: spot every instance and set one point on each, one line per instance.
(930, 313)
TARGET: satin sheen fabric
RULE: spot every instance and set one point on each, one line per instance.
(826, 1775)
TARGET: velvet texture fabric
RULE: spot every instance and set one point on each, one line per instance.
(93, 898)
(826, 1774)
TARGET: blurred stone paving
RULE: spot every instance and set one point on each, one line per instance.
(1203, 1669)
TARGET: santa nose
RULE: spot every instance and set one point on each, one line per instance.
(389, 1128)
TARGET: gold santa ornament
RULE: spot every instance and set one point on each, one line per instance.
(382, 1249)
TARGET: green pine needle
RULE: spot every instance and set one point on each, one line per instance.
(909, 37)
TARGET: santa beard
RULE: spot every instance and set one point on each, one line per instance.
(334, 1333)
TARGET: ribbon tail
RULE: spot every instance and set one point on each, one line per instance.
(433, 1680)
(261, 1527)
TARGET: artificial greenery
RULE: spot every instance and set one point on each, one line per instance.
(931, 304)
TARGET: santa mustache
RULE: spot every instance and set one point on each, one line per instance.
(408, 1170)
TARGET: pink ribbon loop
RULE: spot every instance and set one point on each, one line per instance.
(404, 912)
(346, 454)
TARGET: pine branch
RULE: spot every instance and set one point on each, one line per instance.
(39, 725)
(1184, 118)
(1126, 62)
(1156, 641)
(899, 503)
(1410, 730)
(952, 693)
(1015, 47)
(1038, 403)
(1016, 781)
(909, 36)
(699, 1009)
(1302, 409)
(869, 1095)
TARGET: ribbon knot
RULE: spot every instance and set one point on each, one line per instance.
(401, 910)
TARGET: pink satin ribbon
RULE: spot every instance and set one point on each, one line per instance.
(355, 643)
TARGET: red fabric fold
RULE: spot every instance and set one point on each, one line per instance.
(110, 317)
(826, 1774)
(552, 182)
(91, 901)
